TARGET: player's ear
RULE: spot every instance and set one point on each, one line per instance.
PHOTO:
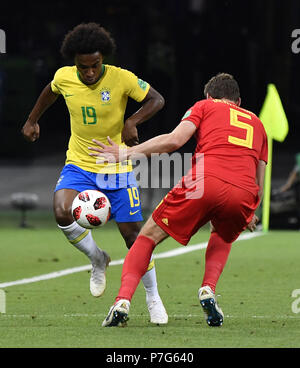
(208, 96)
(239, 102)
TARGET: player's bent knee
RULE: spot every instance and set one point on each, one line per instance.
(62, 206)
(63, 215)
(153, 231)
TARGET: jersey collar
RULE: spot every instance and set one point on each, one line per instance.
(100, 76)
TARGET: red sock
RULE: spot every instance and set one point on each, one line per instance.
(216, 256)
(135, 266)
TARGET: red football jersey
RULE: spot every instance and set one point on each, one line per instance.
(232, 139)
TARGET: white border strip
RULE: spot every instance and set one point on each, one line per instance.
(171, 253)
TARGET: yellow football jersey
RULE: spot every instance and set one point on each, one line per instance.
(97, 111)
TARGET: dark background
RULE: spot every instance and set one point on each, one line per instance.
(175, 45)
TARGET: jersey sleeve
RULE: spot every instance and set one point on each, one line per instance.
(264, 149)
(194, 114)
(55, 83)
(135, 87)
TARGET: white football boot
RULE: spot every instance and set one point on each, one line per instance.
(98, 278)
(213, 313)
(118, 314)
(158, 314)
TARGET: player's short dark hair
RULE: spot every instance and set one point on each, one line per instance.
(222, 85)
(87, 38)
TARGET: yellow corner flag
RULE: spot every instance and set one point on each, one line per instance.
(273, 116)
(276, 125)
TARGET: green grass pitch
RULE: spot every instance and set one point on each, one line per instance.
(255, 293)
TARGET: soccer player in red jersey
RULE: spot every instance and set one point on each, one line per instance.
(224, 186)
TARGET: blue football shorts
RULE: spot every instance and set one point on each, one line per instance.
(121, 190)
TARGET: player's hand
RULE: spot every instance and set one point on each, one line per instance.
(31, 131)
(113, 153)
(252, 224)
(130, 134)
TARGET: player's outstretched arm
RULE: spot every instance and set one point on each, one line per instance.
(160, 144)
(151, 104)
(31, 129)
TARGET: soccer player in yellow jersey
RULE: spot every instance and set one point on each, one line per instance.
(96, 95)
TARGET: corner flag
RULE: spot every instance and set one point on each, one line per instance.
(276, 125)
(273, 116)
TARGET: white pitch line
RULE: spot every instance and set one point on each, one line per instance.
(168, 254)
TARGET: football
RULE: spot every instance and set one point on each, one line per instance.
(91, 209)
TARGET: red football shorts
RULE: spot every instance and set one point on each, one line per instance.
(182, 212)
